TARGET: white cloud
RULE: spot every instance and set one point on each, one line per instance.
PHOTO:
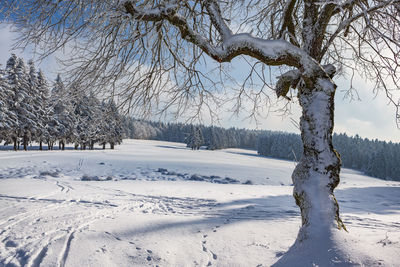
(7, 38)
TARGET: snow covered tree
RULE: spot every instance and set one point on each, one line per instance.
(28, 117)
(12, 81)
(195, 138)
(63, 119)
(111, 129)
(311, 41)
(22, 102)
(39, 94)
(8, 119)
(94, 120)
(83, 114)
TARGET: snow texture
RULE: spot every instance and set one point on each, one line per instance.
(150, 203)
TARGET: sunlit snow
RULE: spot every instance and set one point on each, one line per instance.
(152, 203)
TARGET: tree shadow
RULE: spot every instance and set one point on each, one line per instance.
(173, 147)
(257, 155)
(378, 200)
(252, 209)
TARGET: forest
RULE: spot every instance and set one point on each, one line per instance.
(32, 110)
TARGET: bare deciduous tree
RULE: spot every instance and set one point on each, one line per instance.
(157, 50)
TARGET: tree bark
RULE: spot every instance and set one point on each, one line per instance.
(112, 145)
(25, 143)
(40, 145)
(317, 173)
(15, 144)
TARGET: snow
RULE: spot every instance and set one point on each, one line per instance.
(144, 216)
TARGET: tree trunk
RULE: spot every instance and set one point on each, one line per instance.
(15, 144)
(25, 143)
(112, 145)
(63, 145)
(40, 145)
(104, 145)
(317, 174)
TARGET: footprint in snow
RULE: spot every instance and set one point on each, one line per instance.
(11, 244)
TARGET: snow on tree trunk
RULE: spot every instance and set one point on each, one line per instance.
(317, 174)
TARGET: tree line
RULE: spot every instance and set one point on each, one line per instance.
(32, 110)
(373, 157)
(211, 137)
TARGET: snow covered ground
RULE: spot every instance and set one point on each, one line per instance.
(152, 203)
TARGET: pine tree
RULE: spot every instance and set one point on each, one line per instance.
(38, 94)
(13, 100)
(29, 121)
(64, 119)
(22, 107)
(8, 119)
(111, 129)
(195, 138)
(94, 120)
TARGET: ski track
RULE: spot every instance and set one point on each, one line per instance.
(65, 251)
(89, 212)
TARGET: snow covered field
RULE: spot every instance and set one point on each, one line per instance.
(158, 203)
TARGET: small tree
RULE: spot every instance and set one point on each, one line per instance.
(195, 138)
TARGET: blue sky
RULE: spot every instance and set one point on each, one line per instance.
(370, 117)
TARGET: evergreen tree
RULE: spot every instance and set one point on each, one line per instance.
(195, 138)
(12, 80)
(63, 119)
(8, 119)
(111, 127)
(29, 114)
(22, 106)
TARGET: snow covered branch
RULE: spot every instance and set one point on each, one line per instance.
(270, 52)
